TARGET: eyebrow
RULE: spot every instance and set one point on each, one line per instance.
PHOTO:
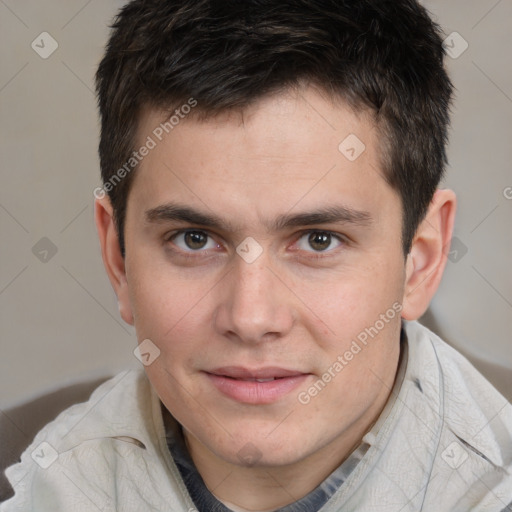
(329, 215)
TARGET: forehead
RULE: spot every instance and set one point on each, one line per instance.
(296, 146)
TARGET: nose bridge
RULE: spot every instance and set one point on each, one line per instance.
(253, 305)
(252, 284)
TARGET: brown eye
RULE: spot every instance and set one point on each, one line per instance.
(320, 241)
(195, 239)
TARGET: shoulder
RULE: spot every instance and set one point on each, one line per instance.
(96, 454)
(470, 405)
(464, 392)
(475, 439)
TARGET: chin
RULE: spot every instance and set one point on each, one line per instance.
(263, 452)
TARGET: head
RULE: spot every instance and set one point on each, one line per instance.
(285, 201)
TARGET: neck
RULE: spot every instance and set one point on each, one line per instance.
(266, 488)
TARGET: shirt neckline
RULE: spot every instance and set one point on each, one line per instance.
(204, 499)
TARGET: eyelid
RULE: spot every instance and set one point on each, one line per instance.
(175, 232)
(342, 239)
(169, 237)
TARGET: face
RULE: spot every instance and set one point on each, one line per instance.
(258, 254)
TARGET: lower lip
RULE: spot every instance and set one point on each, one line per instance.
(256, 393)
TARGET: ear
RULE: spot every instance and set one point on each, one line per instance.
(112, 257)
(427, 259)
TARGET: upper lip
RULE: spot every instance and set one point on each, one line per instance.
(239, 372)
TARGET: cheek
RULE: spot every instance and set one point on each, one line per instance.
(341, 305)
(167, 308)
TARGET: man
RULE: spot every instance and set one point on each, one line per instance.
(271, 224)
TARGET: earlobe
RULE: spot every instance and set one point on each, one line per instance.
(427, 258)
(112, 257)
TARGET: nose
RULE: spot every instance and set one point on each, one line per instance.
(254, 305)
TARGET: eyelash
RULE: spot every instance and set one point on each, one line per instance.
(327, 253)
(186, 254)
(311, 254)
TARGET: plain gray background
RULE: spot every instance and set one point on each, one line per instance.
(58, 314)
